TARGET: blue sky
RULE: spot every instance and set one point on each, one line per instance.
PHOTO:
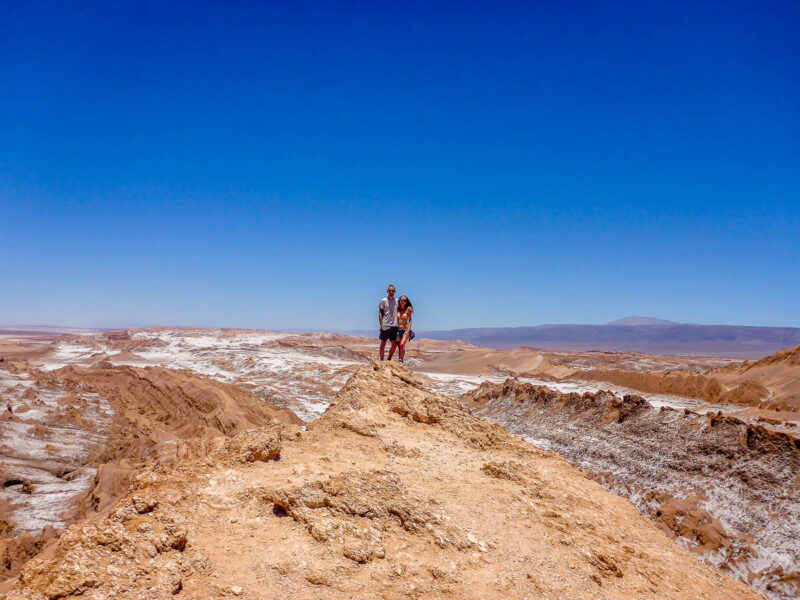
(277, 164)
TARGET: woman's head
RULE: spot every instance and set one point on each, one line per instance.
(404, 303)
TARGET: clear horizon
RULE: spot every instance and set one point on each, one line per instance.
(276, 166)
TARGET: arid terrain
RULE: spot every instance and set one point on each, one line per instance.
(149, 456)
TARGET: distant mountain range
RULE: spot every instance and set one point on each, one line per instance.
(634, 334)
(642, 321)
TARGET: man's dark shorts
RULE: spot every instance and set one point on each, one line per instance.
(388, 334)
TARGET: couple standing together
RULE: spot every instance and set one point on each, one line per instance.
(394, 316)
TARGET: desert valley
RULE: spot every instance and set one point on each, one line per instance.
(572, 229)
(210, 463)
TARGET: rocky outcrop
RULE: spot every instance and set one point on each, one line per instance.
(726, 489)
(102, 559)
(254, 445)
(77, 435)
(395, 492)
(17, 550)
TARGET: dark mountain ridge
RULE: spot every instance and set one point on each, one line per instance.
(663, 338)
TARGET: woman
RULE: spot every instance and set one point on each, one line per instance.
(404, 310)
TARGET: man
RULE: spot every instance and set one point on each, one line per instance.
(387, 319)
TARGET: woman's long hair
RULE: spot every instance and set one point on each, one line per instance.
(408, 303)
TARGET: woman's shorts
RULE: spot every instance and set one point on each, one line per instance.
(400, 334)
(388, 334)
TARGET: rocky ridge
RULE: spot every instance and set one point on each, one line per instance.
(726, 489)
(778, 373)
(395, 492)
(72, 438)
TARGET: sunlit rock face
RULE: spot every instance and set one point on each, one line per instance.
(725, 489)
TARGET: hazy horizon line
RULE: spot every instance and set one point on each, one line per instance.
(101, 328)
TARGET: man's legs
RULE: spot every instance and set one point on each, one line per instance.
(383, 348)
(392, 349)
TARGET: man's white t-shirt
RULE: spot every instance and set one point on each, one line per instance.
(389, 311)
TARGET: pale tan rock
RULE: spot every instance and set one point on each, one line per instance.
(253, 445)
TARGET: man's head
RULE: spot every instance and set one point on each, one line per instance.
(390, 291)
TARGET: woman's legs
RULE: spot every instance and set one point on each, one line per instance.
(401, 348)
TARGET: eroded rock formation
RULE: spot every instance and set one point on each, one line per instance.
(395, 492)
(726, 489)
(72, 438)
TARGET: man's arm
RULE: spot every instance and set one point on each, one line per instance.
(380, 314)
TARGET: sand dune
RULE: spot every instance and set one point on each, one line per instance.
(779, 373)
(482, 361)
